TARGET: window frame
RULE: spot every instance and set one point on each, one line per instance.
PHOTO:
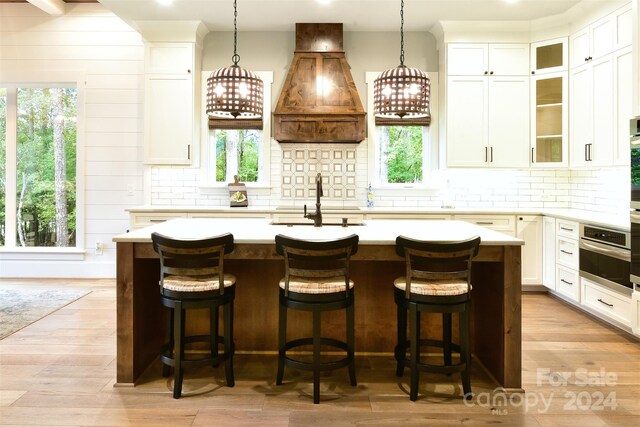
(210, 185)
(35, 79)
(430, 147)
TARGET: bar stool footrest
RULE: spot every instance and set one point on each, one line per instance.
(324, 366)
(167, 352)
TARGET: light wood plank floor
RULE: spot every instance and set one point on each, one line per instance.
(61, 371)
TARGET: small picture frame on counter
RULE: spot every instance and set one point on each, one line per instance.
(238, 193)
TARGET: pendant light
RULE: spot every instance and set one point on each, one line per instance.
(233, 92)
(401, 92)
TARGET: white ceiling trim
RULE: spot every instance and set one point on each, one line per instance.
(52, 7)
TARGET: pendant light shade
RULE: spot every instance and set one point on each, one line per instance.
(401, 92)
(233, 92)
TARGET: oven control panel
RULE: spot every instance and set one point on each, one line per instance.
(603, 235)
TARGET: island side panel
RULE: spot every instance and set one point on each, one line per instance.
(512, 310)
(125, 313)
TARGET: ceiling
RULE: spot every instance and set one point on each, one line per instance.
(356, 15)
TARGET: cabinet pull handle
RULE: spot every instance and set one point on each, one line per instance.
(586, 158)
(566, 229)
(532, 157)
(484, 222)
(188, 151)
(605, 303)
(566, 252)
(568, 283)
(491, 154)
(486, 155)
(590, 159)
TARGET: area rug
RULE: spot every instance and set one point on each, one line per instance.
(22, 307)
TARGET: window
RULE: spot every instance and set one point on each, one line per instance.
(239, 147)
(237, 152)
(402, 155)
(39, 135)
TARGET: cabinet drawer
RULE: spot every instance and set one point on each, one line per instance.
(566, 228)
(568, 283)
(145, 220)
(615, 306)
(427, 217)
(567, 253)
(502, 223)
(229, 215)
(635, 312)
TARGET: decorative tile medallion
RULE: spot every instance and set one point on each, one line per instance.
(302, 162)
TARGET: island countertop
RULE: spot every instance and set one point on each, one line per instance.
(372, 232)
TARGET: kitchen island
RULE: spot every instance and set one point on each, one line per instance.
(496, 278)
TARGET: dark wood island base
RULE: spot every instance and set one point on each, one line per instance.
(496, 306)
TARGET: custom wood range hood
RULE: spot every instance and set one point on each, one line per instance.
(319, 101)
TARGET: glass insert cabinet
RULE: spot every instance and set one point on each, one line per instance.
(549, 96)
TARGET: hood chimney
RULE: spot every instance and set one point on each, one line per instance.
(319, 101)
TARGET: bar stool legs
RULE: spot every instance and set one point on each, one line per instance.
(229, 348)
(351, 343)
(465, 353)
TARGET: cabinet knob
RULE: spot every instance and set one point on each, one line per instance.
(189, 71)
(533, 72)
(486, 72)
(491, 73)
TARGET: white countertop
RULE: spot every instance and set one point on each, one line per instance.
(373, 232)
(617, 221)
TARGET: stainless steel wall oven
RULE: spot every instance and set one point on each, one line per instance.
(605, 257)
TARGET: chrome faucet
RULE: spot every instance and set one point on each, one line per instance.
(317, 216)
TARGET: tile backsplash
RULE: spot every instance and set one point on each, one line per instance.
(344, 173)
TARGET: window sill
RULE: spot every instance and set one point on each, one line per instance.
(53, 254)
(223, 188)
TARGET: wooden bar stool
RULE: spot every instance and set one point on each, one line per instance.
(316, 280)
(438, 280)
(192, 276)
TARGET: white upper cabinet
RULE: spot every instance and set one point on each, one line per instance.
(549, 120)
(622, 81)
(170, 85)
(478, 59)
(549, 56)
(487, 105)
(601, 37)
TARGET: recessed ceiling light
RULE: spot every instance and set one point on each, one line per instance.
(165, 2)
(324, 1)
(511, 1)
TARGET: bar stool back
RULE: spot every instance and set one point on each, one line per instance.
(438, 280)
(192, 276)
(316, 280)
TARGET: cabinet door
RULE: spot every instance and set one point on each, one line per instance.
(579, 46)
(549, 56)
(509, 121)
(509, 59)
(169, 58)
(602, 37)
(623, 18)
(529, 229)
(622, 81)
(549, 120)
(467, 59)
(581, 134)
(601, 152)
(549, 252)
(168, 119)
(467, 130)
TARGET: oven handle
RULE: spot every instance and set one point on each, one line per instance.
(623, 254)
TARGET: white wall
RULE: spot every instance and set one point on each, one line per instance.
(90, 40)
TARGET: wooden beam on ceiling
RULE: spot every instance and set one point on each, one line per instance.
(52, 7)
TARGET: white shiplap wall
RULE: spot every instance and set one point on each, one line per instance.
(92, 41)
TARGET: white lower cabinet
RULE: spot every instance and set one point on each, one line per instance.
(529, 229)
(549, 252)
(635, 312)
(502, 223)
(609, 304)
(568, 283)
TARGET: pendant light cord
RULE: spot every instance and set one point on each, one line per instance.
(402, 33)
(235, 58)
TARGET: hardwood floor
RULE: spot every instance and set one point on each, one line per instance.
(61, 371)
